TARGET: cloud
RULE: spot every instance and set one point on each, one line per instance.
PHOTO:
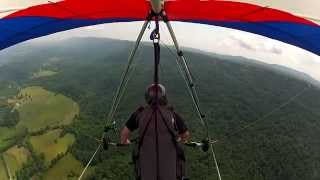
(276, 50)
(255, 45)
(243, 44)
(207, 38)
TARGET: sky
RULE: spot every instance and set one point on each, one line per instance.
(208, 38)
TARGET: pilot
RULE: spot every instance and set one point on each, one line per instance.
(158, 154)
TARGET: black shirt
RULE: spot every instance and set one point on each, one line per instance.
(132, 123)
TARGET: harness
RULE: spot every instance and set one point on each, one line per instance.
(164, 117)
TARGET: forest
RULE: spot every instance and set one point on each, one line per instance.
(266, 121)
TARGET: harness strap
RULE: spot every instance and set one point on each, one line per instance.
(180, 154)
(135, 155)
(171, 131)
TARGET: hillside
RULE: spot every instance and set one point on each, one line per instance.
(234, 93)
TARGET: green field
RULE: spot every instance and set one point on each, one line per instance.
(8, 137)
(7, 89)
(14, 158)
(51, 144)
(3, 172)
(39, 108)
(66, 168)
(43, 73)
(238, 96)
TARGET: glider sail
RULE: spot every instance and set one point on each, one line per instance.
(308, 9)
(45, 19)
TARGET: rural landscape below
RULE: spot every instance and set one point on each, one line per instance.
(54, 99)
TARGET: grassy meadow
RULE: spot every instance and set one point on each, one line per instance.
(8, 137)
(3, 171)
(234, 92)
(5, 136)
(14, 158)
(40, 113)
(51, 144)
(66, 168)
(7, 89)
(43, 73)
(39, 108)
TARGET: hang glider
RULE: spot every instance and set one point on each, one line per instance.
(52, 17)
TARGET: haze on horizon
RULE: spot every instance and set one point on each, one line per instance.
(208, 38)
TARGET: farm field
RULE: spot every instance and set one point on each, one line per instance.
(7, 89)
(51, 144)
(234, 93)
(14, 158)
(3, 172)
(40, 112)
(43, 73)
(7, 136)
(39, 108)
(66, 168)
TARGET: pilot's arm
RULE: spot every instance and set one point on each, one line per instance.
(183, 132)
(125, 134)
(131, 125)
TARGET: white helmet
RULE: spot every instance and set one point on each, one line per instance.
(156, 90)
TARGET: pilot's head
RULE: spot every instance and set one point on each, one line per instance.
(156, 93)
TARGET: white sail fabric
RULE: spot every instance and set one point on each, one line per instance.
(309, 9)
(305, 8)
(10, 6)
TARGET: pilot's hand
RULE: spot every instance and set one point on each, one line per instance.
(126, 142)
(184, 137)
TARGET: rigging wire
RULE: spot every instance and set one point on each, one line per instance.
(308, 109)
(88, 135)
(215, 160)
(124, 78)
(190, 85)
(120, 91)
(209, 139)
(286, 103)
(245, 127)
(196, 103)
(175, 56)
(89, 162)
(124, 89)
(94, 13)
(263, 117)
